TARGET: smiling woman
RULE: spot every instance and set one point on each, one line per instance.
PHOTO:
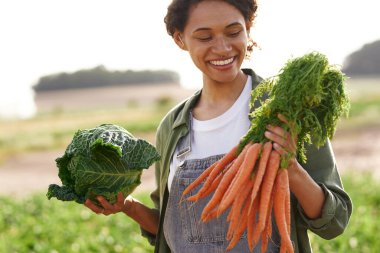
(200, 132)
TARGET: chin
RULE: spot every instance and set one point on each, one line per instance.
(225, 76)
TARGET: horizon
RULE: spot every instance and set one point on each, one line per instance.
(44, 37)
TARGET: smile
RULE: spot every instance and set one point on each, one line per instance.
(223, 62)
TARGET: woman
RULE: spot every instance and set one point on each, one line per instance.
(197, 132)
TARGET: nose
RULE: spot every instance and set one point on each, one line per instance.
(221, 45)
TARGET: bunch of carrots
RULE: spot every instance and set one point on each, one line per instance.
(251, 180)
(250, 183)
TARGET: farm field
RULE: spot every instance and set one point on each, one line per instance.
(28, 149)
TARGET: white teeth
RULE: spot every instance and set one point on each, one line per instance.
(221, 63)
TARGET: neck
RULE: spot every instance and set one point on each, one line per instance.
(217, 97)
(216, 92)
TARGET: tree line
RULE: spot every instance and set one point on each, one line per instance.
(100, 77)
(364, 62)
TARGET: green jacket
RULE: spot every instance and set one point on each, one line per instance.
(320, 165)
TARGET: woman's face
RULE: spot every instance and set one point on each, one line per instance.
(216, 38)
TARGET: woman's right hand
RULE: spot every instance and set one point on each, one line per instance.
(122, 204)
(148, 218)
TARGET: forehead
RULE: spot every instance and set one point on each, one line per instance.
(213, 14)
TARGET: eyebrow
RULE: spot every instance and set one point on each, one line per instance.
(208, 29)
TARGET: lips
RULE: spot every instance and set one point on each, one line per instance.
(222, 62)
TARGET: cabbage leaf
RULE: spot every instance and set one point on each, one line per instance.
(103, 160)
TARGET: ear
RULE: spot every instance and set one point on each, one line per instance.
(178, 40)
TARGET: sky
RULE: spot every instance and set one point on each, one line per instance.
(42, 37)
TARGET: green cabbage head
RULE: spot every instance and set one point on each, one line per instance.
(103, 161)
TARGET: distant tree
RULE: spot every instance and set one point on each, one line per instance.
(365, 61)
(100, 76)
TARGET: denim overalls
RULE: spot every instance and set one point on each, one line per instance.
(184, 231)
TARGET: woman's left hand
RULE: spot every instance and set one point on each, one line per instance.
(308, 193)
(106, 208)
(283, 142)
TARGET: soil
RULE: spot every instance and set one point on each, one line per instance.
(355, 150)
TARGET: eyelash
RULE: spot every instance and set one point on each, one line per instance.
(234, 34)
(205, 39)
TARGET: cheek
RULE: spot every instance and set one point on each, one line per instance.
(243, 45)
(244, 52)
(198, 55)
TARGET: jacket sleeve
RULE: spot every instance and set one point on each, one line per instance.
(337, 209)
(155, 195)
(155, 198)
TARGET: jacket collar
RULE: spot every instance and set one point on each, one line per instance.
(183, 116)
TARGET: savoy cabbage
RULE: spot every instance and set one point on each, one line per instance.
(103, 160)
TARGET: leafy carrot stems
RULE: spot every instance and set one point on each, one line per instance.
(309, 93)
(251, 180)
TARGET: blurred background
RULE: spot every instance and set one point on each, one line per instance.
(69, 65)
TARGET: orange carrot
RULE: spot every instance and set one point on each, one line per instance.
(267, 185)
(212, 188)
(223, 186)
(232, 173)
(231, 213)
(264, 240)
(267, 232)
(240, 228)
(238, 204)
(252, 223)
(232, 226)
(279, 202)
(260, 171)
(244, 174)
(220, 166)
(211, 215)
(287, 204)
(199, 179)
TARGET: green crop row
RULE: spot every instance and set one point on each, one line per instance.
(37, 225)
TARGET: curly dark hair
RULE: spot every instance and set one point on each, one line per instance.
(178, 12)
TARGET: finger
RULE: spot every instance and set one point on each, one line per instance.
(289, 156)
(277, 130)
(128, 202)
(119, 201)
(104, 202)
(275, 138)
(291, 125)
(278, 148)
(107, 212)
(286, 136)
(120, 198)
(96, 209)
(282, 150)
(286, 121)
(283, 119)
(282, 145)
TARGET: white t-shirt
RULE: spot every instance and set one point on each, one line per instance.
(218, 135)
